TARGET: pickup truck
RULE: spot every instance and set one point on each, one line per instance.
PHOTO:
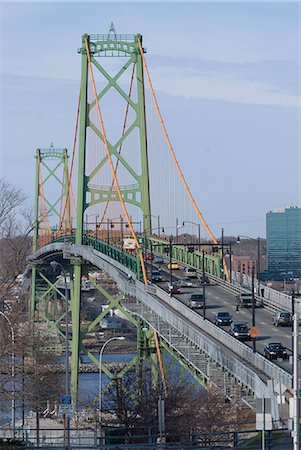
(245, 299)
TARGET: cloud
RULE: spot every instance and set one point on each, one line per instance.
(191, 84)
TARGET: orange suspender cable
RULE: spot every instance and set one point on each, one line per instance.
(160, 363)
(112, 167)
(71, 168)
(174, 156)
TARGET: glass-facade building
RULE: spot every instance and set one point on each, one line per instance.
(283, 228)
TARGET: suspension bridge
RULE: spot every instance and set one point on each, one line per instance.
(114, 200)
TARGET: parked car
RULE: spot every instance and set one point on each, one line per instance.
(156, 276)
(203, 279)
(283, 318)
(174, 266)
(245, 299)
(190, 272)
(158, 260)
(275, 350)
(195, 301)
(240, 331)
(223, 319)
(185, 282)
(173, 289)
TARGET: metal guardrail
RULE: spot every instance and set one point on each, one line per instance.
(274, 300)
(185, 321)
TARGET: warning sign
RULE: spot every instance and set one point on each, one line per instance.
(253, 332)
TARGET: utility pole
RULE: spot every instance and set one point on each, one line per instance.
(170, 258)
(296, 418)
(223, 252)
(204, 298)
(253, 308)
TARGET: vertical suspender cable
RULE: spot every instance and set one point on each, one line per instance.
(112, 168)
(174, 156)
(120, 147)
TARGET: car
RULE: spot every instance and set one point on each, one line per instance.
(245, 299)
(149, 256)
(190, 272)
(203, 279)
(223, 319)
(283, 318)
(158, 260)
(240, 331)
(185, 282)
(173, 289)
(174, 266)
(156, 276)
(275, 350)
(195, 301)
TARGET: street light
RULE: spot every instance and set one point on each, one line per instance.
(158, 218)
(144, 239)
(199, 230)
(13, 386)
(54, 265)
(253, 309)
(116, 338)
(258, 254)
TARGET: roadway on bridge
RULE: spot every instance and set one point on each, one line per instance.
(218, 299)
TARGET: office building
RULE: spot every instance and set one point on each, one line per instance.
(283, 228)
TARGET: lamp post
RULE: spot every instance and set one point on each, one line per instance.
(204, 298)
(170, 260)
(151, 245)
(54, 265)
(199, 231)
(108, 231)
(258, 254)
(296, 418)
(158, 219)
(115, 338)
(13, 383)
(253, 309)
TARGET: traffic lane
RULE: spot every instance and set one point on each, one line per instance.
(218, 300)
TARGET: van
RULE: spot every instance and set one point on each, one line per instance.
(190, 272)
(195, 301)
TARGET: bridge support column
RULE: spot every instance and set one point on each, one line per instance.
(75, 316)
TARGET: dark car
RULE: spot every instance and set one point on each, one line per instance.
(156, 276)
(283, 318)
(240, 331)
(275, 350)
(173, 289)
(203, 279)
(222, 319)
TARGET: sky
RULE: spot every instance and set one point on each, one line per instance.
(226, 75)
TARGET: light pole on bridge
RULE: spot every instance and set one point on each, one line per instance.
(258, 254)
(199, 230)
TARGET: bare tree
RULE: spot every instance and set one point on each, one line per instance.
(188, 407)
(11, 198)
(15, 242)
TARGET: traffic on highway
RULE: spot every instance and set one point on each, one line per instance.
(226, 310)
